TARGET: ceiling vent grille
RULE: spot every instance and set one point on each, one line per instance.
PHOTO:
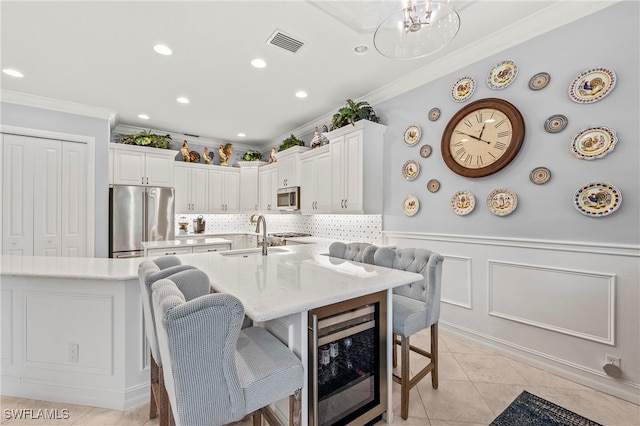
(285, 41)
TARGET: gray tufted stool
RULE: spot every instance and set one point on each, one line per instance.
(358, 252)
(416, 306)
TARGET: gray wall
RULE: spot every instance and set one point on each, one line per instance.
(42, 119)
(610, 39)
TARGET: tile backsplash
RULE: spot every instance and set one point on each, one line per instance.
(364, 228)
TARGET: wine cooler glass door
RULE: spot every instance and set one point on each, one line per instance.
(347, 366)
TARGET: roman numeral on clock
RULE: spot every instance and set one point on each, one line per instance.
(501, 146)
(503, 134)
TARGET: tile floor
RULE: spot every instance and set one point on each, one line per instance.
(476, 385)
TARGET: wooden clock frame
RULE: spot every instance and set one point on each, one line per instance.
(517, 124)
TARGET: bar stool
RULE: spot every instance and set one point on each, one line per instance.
(215, 372)
(358, 252)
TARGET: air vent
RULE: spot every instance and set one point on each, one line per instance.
(285, 41)
(191, 135)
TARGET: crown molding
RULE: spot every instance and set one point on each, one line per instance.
(26, 99)
(546, 19)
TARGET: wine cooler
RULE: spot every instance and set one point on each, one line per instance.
(347, 362)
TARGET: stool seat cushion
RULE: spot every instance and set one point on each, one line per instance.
(267, 369)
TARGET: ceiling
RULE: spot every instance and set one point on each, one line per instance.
(101, 54)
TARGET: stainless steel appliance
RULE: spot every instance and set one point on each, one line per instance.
(136, 214)
(280, 238)
(347, 362)
(289, 199)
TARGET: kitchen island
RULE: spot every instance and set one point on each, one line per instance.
(72, 329)
(185, 245)
(282, 292)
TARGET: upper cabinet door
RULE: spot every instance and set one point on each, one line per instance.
(159, 169)
(128, 168)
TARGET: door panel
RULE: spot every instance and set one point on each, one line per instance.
(46, 198)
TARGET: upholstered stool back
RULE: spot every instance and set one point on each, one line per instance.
(358, 252)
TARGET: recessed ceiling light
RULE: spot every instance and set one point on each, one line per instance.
(361, 49)
(162, 49)
(258, 63)
(301, 94)
(241, 135)
(143, 116)
(183, 100)
(13, 73)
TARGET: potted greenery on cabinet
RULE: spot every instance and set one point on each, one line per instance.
(352, 112)
(146, 138)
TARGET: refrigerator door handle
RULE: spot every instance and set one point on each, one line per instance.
(145, 194)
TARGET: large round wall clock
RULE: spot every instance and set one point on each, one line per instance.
(482, 137)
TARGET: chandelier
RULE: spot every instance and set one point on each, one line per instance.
(418, 29)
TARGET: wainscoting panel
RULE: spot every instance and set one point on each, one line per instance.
(457, 276)
(6, 319)
(53, 321)
(577, 303)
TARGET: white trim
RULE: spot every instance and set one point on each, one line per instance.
(461, 304)
(26, 99)
(90, 141)
(565, 246)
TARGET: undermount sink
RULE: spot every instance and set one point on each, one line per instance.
(250, 252)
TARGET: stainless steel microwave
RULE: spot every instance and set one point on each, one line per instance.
(289, 198)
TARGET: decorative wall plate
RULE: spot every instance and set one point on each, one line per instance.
(463, 89)
(593, 142)
(410, 170)
(556, 123)
(434, 114)
(597, 199)
(463, 203)
(592, 85)
(502, 202)
(410, 205)
(502, 75)
(433, 185)
(540, 175)
(425, 151)
(412, 135)
(539, 81)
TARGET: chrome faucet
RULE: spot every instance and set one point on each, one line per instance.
(264, 233)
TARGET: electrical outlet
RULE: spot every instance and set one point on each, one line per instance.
(613, 360)
(73, 352)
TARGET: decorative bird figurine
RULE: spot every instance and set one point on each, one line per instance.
(272, 156)
(207, 159)
(185, 151)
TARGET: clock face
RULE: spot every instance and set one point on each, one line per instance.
(482, 138)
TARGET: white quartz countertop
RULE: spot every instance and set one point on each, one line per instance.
(185, 242)
(71, 267)
(292, 279)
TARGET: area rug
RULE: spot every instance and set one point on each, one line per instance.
(531, 410)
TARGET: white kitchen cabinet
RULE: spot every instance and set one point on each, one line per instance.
(268, 186)
(169, 251)
(315, 182)
(356, 168)
(191, 182)
(44, 196)
(224, 189)
(288, 166)
(249, 186)
(133, 165)
(211, 248)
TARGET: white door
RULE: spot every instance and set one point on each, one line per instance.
(47, 198)
(215, 200)
(182, 181)
(17, 195)
(159, 170)
(338, 161)
(354, 172)
(323, 182)
(74, 204)
(232, 192)
(199, 190)
(248, 189)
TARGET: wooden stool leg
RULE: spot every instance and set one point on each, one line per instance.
(153, 384)
(394, 348)
(404, 378)
(434, 355)
(295, 408)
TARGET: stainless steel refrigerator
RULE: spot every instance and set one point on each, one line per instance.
(136, 214)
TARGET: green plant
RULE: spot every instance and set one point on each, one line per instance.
(289, 142)
(146, 138)
(352, 112)
(251, 156)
